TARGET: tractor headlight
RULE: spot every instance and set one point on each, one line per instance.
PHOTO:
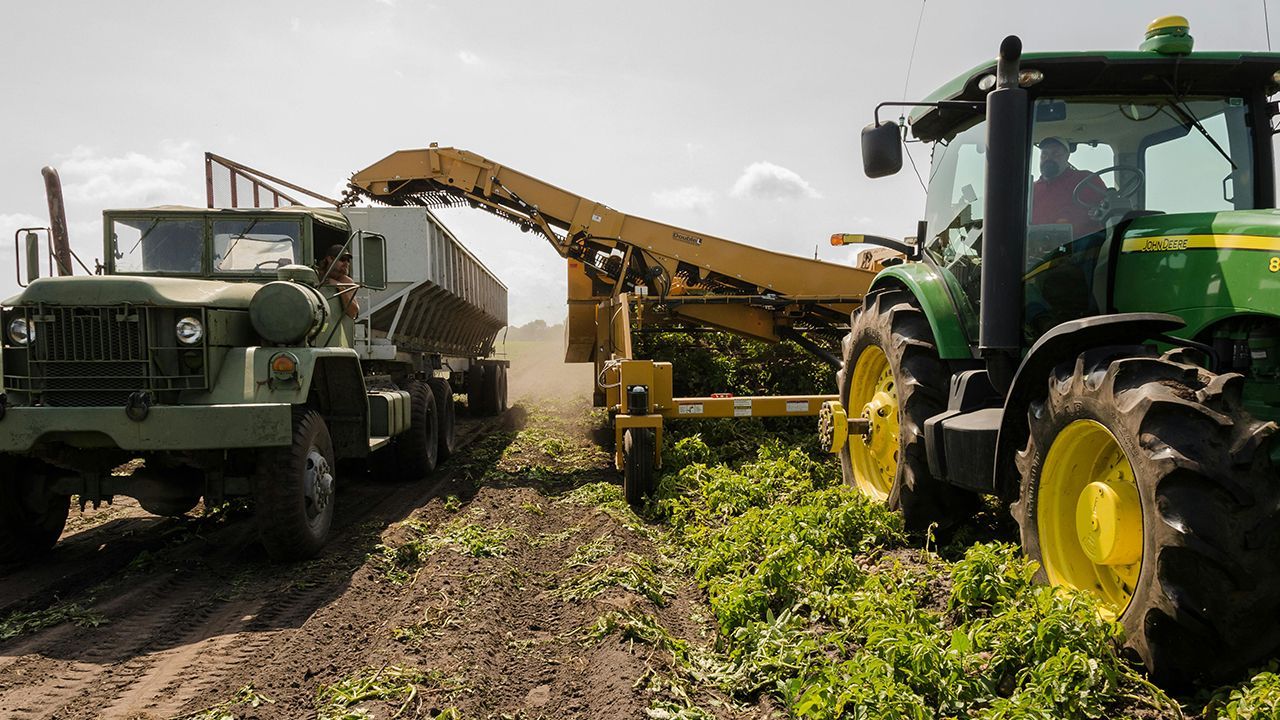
(189, 331)
(21, 332)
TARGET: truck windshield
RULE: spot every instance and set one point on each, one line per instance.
(255, 245)
(157, 245)
(177, 245)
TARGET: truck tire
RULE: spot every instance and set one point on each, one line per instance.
(31, 517)
(443, 394)
(638, 472)
(293, 491)
(500, 401)
(475, 389)
(492, 393)
(417, 449)
(1147, 484)
(891, 374)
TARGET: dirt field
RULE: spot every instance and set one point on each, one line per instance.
(487, 590)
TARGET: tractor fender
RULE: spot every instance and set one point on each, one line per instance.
(1062, 343)
(929, 288)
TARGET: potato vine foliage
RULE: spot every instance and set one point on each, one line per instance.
(823, 603)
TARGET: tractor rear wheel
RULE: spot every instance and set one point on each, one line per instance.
(1146, 484)
(31, 517)
(891, 376)
(638, 472)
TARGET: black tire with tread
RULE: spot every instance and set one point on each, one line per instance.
(638, 465)
(892, 320)
(1208, 591)
(31, 518)
(475, 388)
(287, 530)
(445, 418)
(417, 449)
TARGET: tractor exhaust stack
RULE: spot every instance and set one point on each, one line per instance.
(57, 220)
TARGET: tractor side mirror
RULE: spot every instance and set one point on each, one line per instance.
(33, 256)
(373, 261)
(881, 149)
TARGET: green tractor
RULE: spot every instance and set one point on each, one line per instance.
(1088, 328)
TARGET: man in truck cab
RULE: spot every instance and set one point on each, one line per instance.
(335, 270)
(1054, 198)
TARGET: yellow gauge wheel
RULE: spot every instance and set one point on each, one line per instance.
(1089, 516)
(873, 397)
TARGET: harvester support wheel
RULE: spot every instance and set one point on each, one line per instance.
(417, 449)
(638, 464)
(891, 376)
(1147, 484)
(443, 393)
(293, 491)
(31, 517)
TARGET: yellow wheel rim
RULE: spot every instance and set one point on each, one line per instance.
(1089, 516)
(873, 396)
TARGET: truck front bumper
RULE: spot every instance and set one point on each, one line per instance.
(188, 427)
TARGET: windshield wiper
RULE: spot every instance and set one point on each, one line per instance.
(238, 237)
(141, 237)
(1189, 120)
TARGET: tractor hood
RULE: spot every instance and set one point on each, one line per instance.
(134, 290)
(1230, 230)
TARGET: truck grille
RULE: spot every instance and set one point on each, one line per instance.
(98, 356)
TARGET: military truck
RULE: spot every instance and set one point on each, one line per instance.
(1087, 331)
(214, 347)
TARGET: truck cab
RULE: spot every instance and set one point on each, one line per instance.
(216, 348)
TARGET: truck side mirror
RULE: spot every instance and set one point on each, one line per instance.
(373, 261)
(881, 149)
(33, 256)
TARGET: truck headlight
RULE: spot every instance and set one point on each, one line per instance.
(189, 331)
(21, 332)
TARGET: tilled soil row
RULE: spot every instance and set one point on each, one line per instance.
(462, 596)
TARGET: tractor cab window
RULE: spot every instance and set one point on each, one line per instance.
(1097, 161)
(157, 245)
(255, 245)
(954, 209)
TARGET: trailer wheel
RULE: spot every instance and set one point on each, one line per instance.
(31, 517)
(443, 394)
(1146, 484)
(891, 375)
(475, 388)
(638, 461)
(293, 491)
(501, 399)
(493, 392)
(417, 449)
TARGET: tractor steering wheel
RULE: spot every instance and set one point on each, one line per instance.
(1102, 208)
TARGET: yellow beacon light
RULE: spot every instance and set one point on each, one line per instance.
(1169, 35)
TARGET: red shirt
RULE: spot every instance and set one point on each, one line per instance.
(1051, 201)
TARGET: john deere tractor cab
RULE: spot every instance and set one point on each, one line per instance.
(1087, 329)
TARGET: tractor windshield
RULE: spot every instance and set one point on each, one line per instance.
(1098, 161)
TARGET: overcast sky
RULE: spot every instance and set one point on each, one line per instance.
(738, 119)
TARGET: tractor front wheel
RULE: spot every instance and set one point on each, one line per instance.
(1147, 485)
(31, 516)
(891, 376)
(293, 491)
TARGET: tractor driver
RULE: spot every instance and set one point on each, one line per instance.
(1053, 196)
(335, 269)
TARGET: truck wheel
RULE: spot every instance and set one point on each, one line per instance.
(500, 401)
(293, 491)
(891, 375)
(475, 389)
(417, 448)
(492, 394)
(31, 517)
(443, 394)
(1146, 484)
(638, 474)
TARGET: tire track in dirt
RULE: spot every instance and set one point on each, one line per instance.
(176, 636)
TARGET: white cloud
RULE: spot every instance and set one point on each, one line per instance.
(693, 148)
(468, 58)
(132, 179)
(388, 3)
(684, 198)
(766, 181)
(295, 24)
